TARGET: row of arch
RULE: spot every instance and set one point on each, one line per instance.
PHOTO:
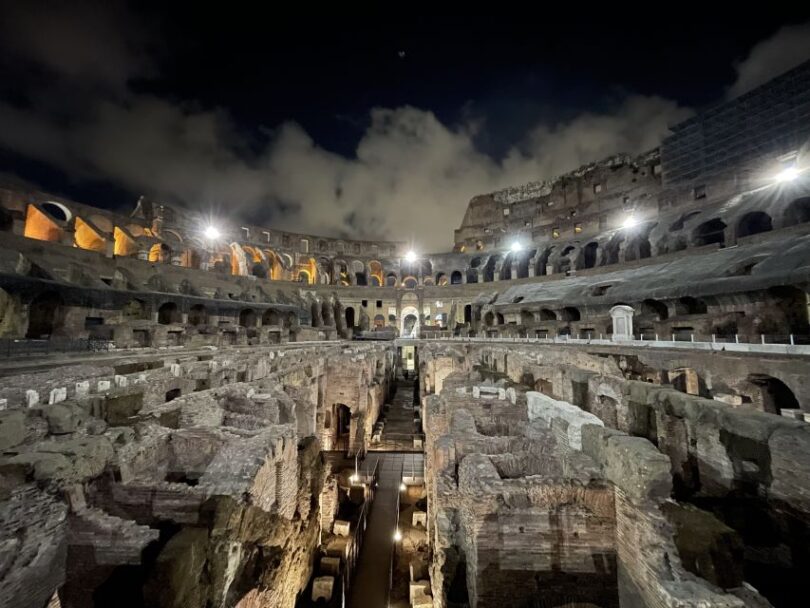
(46, 221)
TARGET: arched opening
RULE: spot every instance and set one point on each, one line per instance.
(499, 318)
(197, 315)
(315, 313)
(409, 325)
(360, 279)
(379, 321)
(690, 306)
(613, 249)
(168, 313)
(655, 308)
(489, 319)
(526, 318)
(523, 264)
(258, 270)
(374, 281)
(441, 279)
(541, 269)
(455, 278)
(775, 395)
(754, 222)
(326, 314)
(468, 313)
(270, 317)
(564, 261)
(712, 232)
(134, 310)
(303, 277)
(798, 212)
(570, 313)
(506, 268)
(44, 315)
(472, 276)
(639, 247)
(547, 315)
(409, 282)
(350, 317)
(589, 255)
(173, 394)
(160, 253)
(390, 280)
(247, 317)
(489, 269)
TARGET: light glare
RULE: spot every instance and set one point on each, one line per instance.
(397, 536)
(516, 247)
(211, 233)
(410, 256)
(402, 487)
(629, 222)
(788, 174)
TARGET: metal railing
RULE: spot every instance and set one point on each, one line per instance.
(23, 347)
(789, 344)
(369, 479)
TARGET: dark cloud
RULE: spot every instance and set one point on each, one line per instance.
(410, 176)
(786, 49)
(96, 42)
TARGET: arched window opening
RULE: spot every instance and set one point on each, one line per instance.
(360, 279)
(541, 268)
(270, 317)
(690, 306)
(489, 319)
(168, 313)
(391, 280)
(455, 278)
(775, 395)
(409, 282)
(468, 313)
(712, 232)
(755, 222)
(547, 314)
(589, 255)
(45, 316)
(350, 317)
(259, 271)
(655, 308)
(472, 276)
(197, 315)
(499, 318)
(247, 317)
(570, 313)
(798, 212)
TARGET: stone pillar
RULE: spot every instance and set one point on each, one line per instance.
(622, 317)
(143, 254)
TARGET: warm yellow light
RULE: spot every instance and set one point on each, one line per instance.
(402, 487)
(397, 536)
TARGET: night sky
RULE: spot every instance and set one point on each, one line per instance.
(376, 126)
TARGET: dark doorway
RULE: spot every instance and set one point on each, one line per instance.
(44, 315)
(167, 313)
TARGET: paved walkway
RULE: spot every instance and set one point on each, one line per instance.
(371, 584)
(372, 578)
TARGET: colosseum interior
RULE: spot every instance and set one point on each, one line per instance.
(599, 398)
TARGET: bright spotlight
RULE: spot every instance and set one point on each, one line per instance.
(629, 222)
(516, 247)
(354, 478)
(212, 233)
(397, 536)
(788, 174)
(410, 256)
(402, 487)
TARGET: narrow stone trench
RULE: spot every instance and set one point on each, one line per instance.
(372, 580)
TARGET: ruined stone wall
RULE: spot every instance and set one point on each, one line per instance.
(204, 496)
